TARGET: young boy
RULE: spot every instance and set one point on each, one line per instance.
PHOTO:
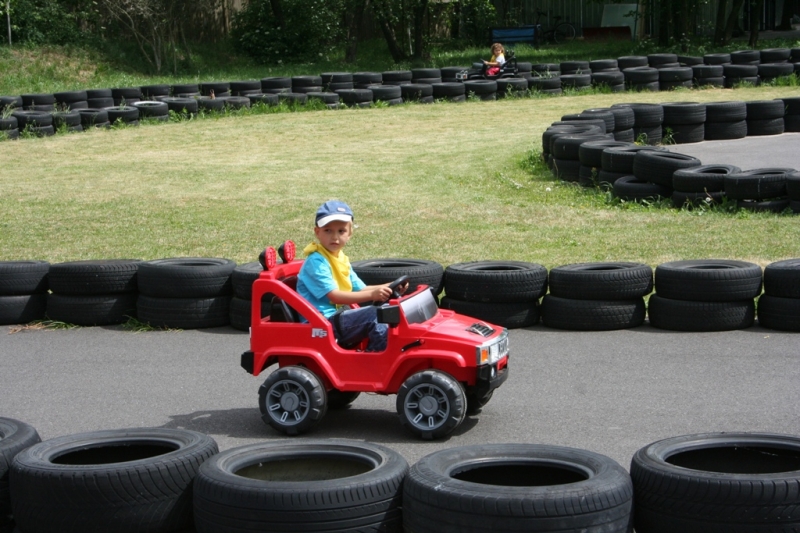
(329, 284)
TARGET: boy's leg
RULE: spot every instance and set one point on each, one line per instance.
(353, 325)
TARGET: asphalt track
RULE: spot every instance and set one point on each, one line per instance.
(608, 392)
(769, 151)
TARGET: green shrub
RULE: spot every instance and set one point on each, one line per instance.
(46, 22)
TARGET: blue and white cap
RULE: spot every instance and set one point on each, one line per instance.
(333, 210)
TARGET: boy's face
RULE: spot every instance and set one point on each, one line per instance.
(334, 235)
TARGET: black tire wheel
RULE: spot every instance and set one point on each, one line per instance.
(717, 483)
(95, 310)
(507, 315)
(302, 486)
(23, 277)
(386, 270)
(696, 199)
(22, 308)
(705, 178)
(657, 167)
(601, 281)
(15, 436)
(86, 278)
(590, 153)
(292, 400)
(517, 487)
(632, 189)
(770, 126)
(726, 111)
(757, 184)
(782, 279)
(793, 185)
(592, 315)
(496, 281)
(685, 133)
(779, 313)
(341, 400)
(186, 277)
(708, 280)
(620, 159)
(722, 131)
(431, 404)
(242, 278)
(777, 205)
(684, 315)
(184, 313)
(240, 314)
(126, 480)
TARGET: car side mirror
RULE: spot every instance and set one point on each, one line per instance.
(389, 314)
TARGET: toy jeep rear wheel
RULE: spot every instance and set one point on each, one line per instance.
(475, 401)
(431, 404)
(292, 400)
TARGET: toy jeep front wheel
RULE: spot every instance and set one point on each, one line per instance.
(292, 400)
(431, 404)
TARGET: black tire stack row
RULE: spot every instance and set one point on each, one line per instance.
(23, 291)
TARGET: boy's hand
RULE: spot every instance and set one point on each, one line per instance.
(381, 293)
(402, 288)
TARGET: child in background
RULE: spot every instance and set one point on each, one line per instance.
(498, 60)
(328, 282)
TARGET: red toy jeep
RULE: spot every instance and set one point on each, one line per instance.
(441, 365)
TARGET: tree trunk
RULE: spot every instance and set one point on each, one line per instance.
(733, 19)
(719, 27)
(277, 13)
(786, 16)
(389, 34)
(353, 20)
(755, 21)
(665, 26)
(419, 28)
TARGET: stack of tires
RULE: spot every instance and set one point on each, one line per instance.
(242, 279)
(674, 77)
(647, 121)
(566, 154)
(72, 99)
(185, 292)
(307, 84)
(276, 85)
(545, 78)
(617, 169)
(427, 76)
(481, 89)
(355, 97)
(94, 118)
(709, 75)
(362, 79)
(632, 62)
(160, 91)
(93, 293)
(624, 120)
(15, 436)
(9, 126)
(333, 81)
(391, 94)
(760, 189)
(590, 155)
(725, 121)
(421, 93)
(765, 117)
(606, 73)
(653, 171)
(684, 122)
(153, 110)
(511, 87)
(39, 102)
(449, 91)
(641, 78)
(386, 270)
(505, 293)
(23, 292)
(38, 123)
(779, 306)
(791, 119)
(700, 186)
(560, 129)
(793, 190)
(125, 480)
(597, 296)
(705, 295)
(663, 60)
(396, 77)
(99, 98)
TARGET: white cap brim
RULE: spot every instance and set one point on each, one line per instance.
(330, 218)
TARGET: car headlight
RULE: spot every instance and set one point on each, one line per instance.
(494, 350)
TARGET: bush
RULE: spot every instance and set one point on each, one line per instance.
(311, 29)
(45, 22)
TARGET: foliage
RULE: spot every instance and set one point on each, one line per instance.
(48, 21)
(475, 19)
(310, 30)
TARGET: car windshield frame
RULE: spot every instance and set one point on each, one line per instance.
(420, 307)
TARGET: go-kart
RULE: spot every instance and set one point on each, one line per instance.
(480, 71)
(441, 365)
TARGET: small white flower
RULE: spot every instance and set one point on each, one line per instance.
(548, 189)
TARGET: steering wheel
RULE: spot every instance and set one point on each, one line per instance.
(393, 286)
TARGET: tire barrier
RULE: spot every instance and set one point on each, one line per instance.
(126, 480)
(505, 293)
(242, 278)
(386, 270)
(15, 436)
(185, 292)
(779, 306)
(517, 487)
(717, 482)
(311, 485)
(23, 291)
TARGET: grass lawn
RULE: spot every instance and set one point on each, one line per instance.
(447, 182)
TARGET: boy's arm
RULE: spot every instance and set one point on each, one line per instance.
(370, 293)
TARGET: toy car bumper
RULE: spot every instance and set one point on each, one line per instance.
(491, 376)
(247, 361)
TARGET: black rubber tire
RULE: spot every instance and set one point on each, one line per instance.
(576, 81)
(708, 280)
(568, 146)
(675, 74)
(23, 277)
(646, 115)
(765, 109)
(32, 118)
(631, 62)
(681, 199)
(367, 78)
(632, 189)
(236, 102)
(771, 71)
(705, 178)
(185, 277)
(757, 184)
(242, 278)
(745, 57)
(341, 400)
(777, 205)
(239, 314)
(604, 114)
(336, 77)
(779, 313)
(334, 486)
(126, 480)
(707, 71)
(782, 279)
(480, 87)
(592, 315)
(273, 83)
(152, 91)
(66, 118)
(511, 87)
(717, 483)
(22, 308)
(182, 105)
(150, 108)
(507, 315)
(126, 114)
(86, 278)
(686, 315)
(690, 60)
(354, 96)
(95, 310)
(387, 92)
(685, 133)
(737, 71)
(793, 185)
(601, 281)
(396, 76)
(683, 113)
(8, 123)
(127, 93)
(495, 281)
(599, 65)
(621, 159)
(771, 126)
(296, 392)
(517, 487)
(590, 153)
(415, 91)
(270, 99)
(211, 104)
(640, 75)
(184, 313)
(610, 178)
(721, 131)
(431, 404)
(661, 59)
(627, 136)
(37, 99)
(386, 270)
(624, 117)
(657, 167)
(15, 436)
(220, 88)
(774, 55)
(545, 83)
(580, 118)
(572, 67)
(731, 82)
